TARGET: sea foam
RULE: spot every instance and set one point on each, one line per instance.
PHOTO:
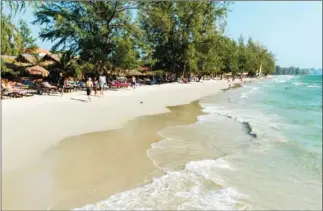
(196, 187)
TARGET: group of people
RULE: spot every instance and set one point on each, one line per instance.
(95, 85)
(90, 85)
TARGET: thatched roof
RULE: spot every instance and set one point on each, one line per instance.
(51, 57)
(229, 74)
(133, 73)
(26, 58)
(37, 70)
(149, 73)
(8, 59)
(117, 71)
(37, 50)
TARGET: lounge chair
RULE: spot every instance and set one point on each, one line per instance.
(15, 91)
(47, 88)
(117, 84)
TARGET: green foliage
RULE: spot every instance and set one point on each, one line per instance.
(180, 37)
(5, 71)
(20, 6)
(91, 30)
(291, 71)
(27, 40)
(11, 39)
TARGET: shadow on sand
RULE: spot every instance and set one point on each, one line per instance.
(84, 101)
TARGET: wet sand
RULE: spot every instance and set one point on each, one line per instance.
(88, 168)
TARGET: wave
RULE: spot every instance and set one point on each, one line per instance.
(227, 113)
(313, 86)
(256, 123)
(264, 85)
(197, 187)
(245, 95)
(298, 83)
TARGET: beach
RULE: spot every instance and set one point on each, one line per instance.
(53, 142)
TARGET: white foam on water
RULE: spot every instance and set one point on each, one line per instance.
(263, 125)
(264, 85)
(196, 187)
(243, 95)
(313, 86)
(298, 83)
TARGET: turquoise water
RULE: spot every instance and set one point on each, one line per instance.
(300, 106)
(258, 147)
(286, 115)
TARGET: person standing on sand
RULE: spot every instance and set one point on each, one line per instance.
(101, 85)
(133, 83)
(95, 86)
(89, 86)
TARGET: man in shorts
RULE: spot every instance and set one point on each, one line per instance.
(89, 86)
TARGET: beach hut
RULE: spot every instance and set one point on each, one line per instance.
(25, 59)
(37, 70)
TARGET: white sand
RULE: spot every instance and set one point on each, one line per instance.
(32, 125)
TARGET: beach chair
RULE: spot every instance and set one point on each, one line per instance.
(13, 91)
(47, 88)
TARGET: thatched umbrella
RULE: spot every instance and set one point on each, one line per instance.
(149, 73)
(37, 70)
(133, 73)
(117, 72)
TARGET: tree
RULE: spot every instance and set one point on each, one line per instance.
(27, 40)
(88, 29)
(177, 30)
(11, 39)
(19, 6)
(5, 71)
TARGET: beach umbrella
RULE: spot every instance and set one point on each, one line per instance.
(37, 70)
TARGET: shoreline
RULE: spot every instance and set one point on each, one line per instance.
(152, 104)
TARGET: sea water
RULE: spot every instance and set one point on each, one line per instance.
(257, 147)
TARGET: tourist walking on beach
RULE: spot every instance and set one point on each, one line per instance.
(101, 85)
(61, 84)
(95, 86)
(133, 83)
(65, 84)
(89, 86)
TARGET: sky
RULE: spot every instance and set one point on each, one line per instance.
(292, 30)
